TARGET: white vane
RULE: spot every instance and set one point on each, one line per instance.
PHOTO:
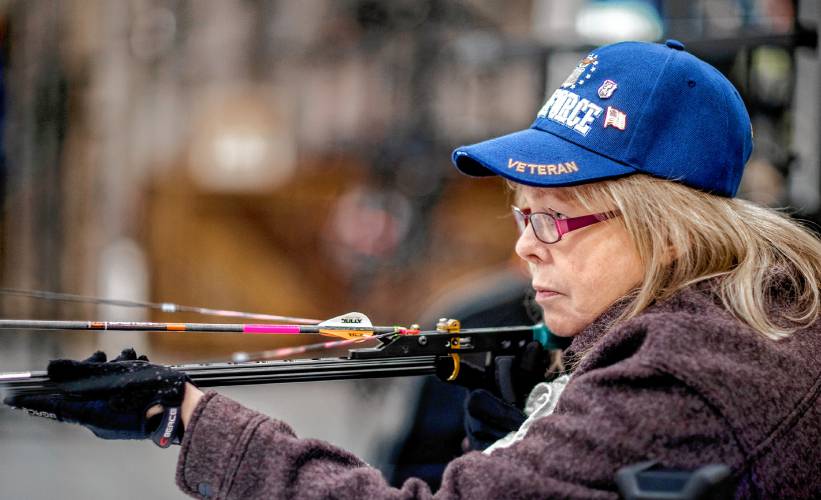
(348, 321)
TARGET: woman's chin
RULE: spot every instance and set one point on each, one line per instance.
(562, 328)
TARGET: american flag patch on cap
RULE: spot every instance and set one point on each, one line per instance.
(615, 118)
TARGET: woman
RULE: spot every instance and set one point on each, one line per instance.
(694, 316)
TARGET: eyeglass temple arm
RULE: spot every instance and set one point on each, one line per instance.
(567, 225)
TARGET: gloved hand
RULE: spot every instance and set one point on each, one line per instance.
(510, 378)
(112, 398)
(493, 408)
(488, 419)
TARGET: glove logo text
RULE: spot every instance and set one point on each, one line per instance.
(169, 427)
(35, 413)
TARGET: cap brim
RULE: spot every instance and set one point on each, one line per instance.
(536, 158)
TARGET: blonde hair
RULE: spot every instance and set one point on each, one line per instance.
(684, 236)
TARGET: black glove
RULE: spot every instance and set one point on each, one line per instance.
(509, 377)
(498, 392)
(112, 398)
(488, 419)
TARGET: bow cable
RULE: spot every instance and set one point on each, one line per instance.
(285, 352)
(168, 307)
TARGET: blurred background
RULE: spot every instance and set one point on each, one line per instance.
(293, 158)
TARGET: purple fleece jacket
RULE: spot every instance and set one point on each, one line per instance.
(683, 383)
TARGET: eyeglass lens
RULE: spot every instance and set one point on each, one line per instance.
(543, 225)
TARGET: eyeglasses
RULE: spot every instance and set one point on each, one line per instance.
(548, 229)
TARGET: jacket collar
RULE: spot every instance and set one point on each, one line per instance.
(701, 293)
(591, 334)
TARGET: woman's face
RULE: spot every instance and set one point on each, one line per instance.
(579, 277)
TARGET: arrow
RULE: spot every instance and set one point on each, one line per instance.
(352, 325)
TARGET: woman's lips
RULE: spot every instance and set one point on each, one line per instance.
(545, 293)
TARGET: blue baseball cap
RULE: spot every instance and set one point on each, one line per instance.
(626, 108)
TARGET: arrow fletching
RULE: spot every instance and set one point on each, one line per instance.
(352, 325)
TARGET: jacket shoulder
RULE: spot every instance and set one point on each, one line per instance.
(761, 387)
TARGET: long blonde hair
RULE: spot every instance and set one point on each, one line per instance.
(685, 236)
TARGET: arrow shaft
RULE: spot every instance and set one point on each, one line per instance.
(257, 329)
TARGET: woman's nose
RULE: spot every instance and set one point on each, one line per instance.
(528, 247)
